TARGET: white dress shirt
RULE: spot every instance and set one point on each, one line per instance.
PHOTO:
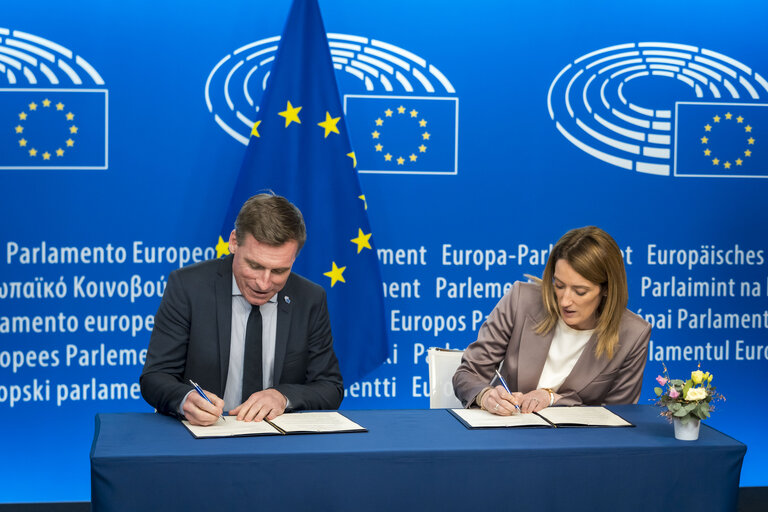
(566, 348)
(240, 311)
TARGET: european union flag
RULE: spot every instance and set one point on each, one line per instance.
(721, 140)
(299, 148)
(53, 129)
(404, 135)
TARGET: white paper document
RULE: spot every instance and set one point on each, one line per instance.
(326, 421)
(478, 418)
(590, 416)
(578, 416)
(289, 423)
(230, 427)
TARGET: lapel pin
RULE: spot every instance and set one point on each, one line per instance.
(287, 299)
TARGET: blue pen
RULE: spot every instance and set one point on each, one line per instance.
(504, 383)
(202, 394)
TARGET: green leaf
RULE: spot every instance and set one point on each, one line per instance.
(688, 385)
(658, 391)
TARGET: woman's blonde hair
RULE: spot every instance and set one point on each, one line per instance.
(596, 257)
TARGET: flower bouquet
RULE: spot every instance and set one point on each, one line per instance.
(686, 401)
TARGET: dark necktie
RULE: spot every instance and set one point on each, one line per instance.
(252, 379)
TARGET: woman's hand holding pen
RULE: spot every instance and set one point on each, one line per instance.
(498, 401)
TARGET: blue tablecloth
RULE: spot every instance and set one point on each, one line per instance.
(414, 460)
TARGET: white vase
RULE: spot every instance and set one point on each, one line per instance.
(687, 432)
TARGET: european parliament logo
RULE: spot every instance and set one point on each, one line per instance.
(51, 117)
(664, 109)
(419, 137)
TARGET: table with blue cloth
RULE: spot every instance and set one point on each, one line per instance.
(414, 460)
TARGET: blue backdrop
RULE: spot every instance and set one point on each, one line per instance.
(483, 133)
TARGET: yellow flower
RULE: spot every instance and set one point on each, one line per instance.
(696, 394)
(709, 379)
(697, 376)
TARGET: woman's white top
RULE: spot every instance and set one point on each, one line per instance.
(567, 346)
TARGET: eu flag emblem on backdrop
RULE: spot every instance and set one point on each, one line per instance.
(404, 134)
(721, 140)
(300, 149)
(53, 129)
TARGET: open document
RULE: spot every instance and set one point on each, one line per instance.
(324, 422)
(581, 416)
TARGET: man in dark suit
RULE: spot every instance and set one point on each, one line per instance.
(245, 328)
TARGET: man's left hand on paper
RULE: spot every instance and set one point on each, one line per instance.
(268, 404)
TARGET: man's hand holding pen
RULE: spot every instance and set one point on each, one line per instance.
(202, 408)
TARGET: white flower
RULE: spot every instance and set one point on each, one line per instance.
(696, 394)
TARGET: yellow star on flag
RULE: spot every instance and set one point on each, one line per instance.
(33, 152)
(375, 134)
(379, 122)
(704, 140)
(716, 119)
(70, 143)
(365, 203)
(708, 128)
(739, 119)
(70, 116)
(400, 160)
(413, 157)
(22, 142)
(379, 147)
(33, 106)
(422, 149)
(59, 106)
(750, 141)
(388, 157)
(73, 129)
(728, 115)
(362, 240)
(23, 116)
(354, 159)
(715, 161)
(222, 248)
(330, 124)
(59, 152)
(423, 123)
(707, 152)
(425, 135)
(414, 113)
(388, 113)
(46, 156)
(255, 129)
(46, 102)
(727, 165)
(336, 274)
(291, 114)
(747, 153)
(401, 109)
(19, 129)
(739, 161)
(748, 128)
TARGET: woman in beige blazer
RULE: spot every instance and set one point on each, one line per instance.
(568, 340)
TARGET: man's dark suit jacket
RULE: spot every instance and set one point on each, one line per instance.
(191, 340)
